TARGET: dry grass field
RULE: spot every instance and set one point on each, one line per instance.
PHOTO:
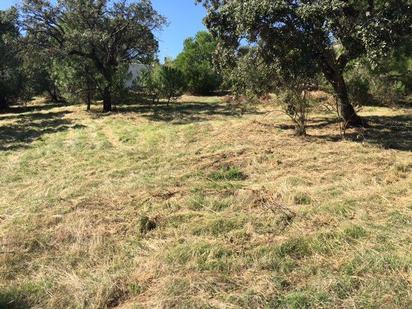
(193, 205)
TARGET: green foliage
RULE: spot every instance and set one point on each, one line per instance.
(148, 83)
(387, 91)
(108, 34)
(161, 82)
(388, 82)
(11, 79)
(296, 106)
(358, 89)
(39, 74)
(359, 81)
(391, 79)
(196, 64)
(249, 76)
(306, 38)
(229, 173)
(76, 78)
(171, 82)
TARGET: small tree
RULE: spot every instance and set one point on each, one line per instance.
(77, 79)
(249, 76)
(148, 83)
(171, 82)
(162, 82)
(296, 105)
(196, 64)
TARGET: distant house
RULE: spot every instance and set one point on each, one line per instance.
(135, 69)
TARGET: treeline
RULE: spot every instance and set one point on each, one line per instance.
(76, 50)
(358, 51)
(192, 71)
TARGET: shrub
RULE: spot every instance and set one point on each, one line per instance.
(148, 84)
(171, 82)
(358, 88)
(388, 91)
(161, 82)
(195, 62)
(296, 106)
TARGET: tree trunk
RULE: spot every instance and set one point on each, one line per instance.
(53, 95)
(3, 103)
(89, 100)
(346, 110)
(334, 74)
(107, 100)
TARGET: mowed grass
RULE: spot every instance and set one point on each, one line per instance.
(197, 206)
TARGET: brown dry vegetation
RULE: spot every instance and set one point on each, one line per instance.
(193, 206)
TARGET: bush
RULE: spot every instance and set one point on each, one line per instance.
(149, 85)
(171, 82)
(388, 92)
(196, 64)
(387, 82)
(161, 82)
(11, 78)
(358, 88)
(250, 78)
(296, 105)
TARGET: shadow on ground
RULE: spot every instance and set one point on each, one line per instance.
(390, 132)
(185, 113)
(10, 302)
(30, 124)
(18, 109)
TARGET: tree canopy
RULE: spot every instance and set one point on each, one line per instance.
(10, 70)
(324, 35)
(196, 63)
(109, 34)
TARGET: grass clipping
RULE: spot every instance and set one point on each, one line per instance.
(208, 209)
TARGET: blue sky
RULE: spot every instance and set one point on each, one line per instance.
(185, 19)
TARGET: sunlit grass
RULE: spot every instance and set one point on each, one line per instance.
(207, 209)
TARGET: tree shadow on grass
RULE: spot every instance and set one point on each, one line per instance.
(29, 127)
(185, 113)
(390, 132)
(10, 301)
(18, 109)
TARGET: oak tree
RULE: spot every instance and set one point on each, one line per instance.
(328, 33)
(108, 33)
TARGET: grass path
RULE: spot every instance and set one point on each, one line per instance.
(193, 206)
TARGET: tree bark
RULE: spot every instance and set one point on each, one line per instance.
(335, 77)
(53, 95)
(107, 100)
(89, 100)
(346, 109)
(3, 103)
